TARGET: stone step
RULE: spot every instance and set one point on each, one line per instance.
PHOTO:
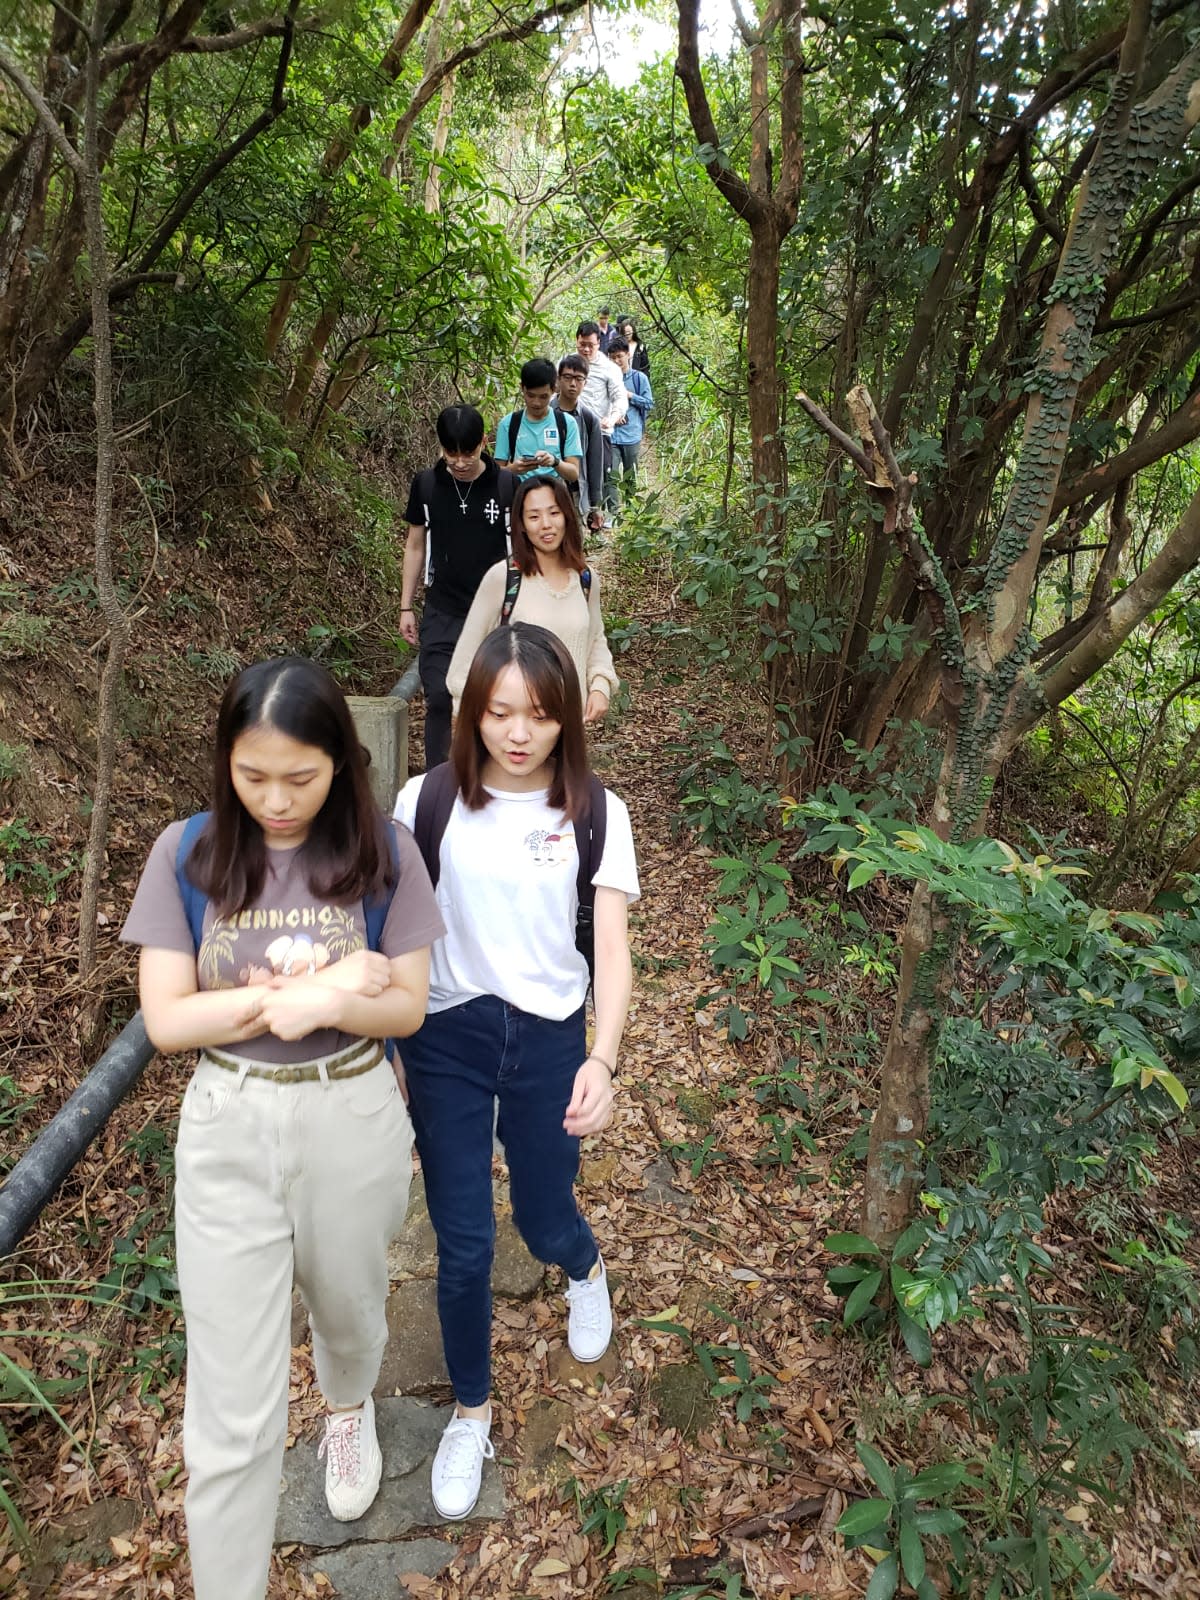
(409, 1431)
(374, 1571)
(516, 1275)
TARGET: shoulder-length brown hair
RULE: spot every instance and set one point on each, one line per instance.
(524, 554)
(346, 856)
(553, 684)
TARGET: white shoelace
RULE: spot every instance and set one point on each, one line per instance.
(341, 1443)
(464, 1445)
(585, 1300)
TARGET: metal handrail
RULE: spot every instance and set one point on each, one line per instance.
(37, 1175)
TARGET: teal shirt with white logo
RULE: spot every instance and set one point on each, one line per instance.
(535, 436)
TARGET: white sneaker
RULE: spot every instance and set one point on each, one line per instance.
(458, 1467)
(589, 1324)
(353, 1462)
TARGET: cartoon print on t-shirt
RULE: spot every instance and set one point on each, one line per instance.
(255, 946)
(551, 849)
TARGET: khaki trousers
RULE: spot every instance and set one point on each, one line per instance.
(277, 1185)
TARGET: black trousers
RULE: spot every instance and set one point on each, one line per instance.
(439, 634)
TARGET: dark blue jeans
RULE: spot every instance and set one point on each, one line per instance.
(458, 1064)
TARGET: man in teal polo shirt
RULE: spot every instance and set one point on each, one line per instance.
(540, 440)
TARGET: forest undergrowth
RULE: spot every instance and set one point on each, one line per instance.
(737, 1422)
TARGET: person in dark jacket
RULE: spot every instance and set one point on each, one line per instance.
(572, 375)
(639, 361)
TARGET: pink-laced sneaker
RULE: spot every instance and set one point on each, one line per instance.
(353, 1461)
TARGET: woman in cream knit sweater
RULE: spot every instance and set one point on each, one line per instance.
(547, 547)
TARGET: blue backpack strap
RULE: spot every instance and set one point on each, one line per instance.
(376, 908)
(585, 583)
(194, 899)
(375, 911)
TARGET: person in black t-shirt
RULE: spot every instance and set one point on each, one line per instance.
(457, 519)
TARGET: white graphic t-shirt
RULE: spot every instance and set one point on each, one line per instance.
(508, 896)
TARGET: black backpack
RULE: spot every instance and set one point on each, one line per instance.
(435, 803)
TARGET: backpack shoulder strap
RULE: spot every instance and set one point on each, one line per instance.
(514, 428)
(590, 834)
(194, 899)
(585, 583)
(512, 588)
(560, 423)
(434, 805)
(376, 907)
(425, 484)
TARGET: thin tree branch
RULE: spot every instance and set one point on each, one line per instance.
(740, 196)
(185, 201)
(45, 115)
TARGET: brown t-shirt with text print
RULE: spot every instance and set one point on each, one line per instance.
(287, 932)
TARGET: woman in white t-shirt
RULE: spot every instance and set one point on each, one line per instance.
(506, 1013)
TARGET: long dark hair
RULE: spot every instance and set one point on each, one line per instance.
(553, 684)
(346, 855)
(523, 552)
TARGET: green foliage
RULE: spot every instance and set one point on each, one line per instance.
(749, 1390)
(22, 861)
(15, 1106)
(900, 1521)
(601, 1510)
(717, 799)
(23, 633)
(14, 761)
(215, 665)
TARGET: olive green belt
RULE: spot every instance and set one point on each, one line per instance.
(349, 1063)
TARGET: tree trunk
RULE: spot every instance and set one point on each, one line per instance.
(110, 605)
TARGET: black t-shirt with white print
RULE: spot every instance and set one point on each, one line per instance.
(467, 529)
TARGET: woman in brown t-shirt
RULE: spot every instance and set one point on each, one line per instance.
(294, 1149)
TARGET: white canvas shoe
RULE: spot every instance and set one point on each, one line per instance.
(589, 1324)
(353, 1461)
(458, 1467)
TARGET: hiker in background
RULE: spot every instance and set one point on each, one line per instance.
(638, 359)
(572, 375)
(546, 581)
(607, 331)
(627, 437)
(457, 519)
(603, 393)
(539, 440)
(520, 835)
(284, 936)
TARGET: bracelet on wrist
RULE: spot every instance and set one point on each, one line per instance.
(403, 609)
(608, 1067)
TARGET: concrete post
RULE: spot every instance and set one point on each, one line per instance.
(382, 723)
